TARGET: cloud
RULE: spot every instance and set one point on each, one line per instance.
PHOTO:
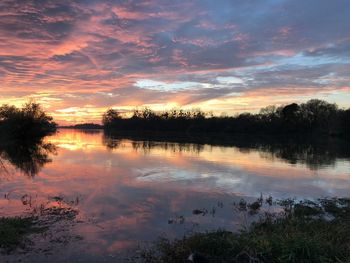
(189, 52)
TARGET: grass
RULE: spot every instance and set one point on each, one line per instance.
(305, 231)
(15, 230)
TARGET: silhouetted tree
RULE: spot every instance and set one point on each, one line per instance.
(345, 123)
(291, 112)
(110, 117)
(29, 122)
(319, 115)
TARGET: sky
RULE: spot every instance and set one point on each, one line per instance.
(79, 58)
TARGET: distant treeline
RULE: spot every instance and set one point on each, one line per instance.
(83, 126)
(313, 117)
(27, 123)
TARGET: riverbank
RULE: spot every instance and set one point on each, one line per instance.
(313, 118)
(50, 221)
(304, 231)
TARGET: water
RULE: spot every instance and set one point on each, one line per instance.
(129, 192)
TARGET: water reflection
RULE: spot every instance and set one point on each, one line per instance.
(315, 154)
(28, 157)
(131, 191)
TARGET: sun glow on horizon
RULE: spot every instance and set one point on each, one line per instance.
(79, 59)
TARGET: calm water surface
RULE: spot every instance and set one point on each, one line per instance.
(129, 192)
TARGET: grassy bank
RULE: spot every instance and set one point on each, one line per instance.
(15, 230)
(304, 232)
(54, 218)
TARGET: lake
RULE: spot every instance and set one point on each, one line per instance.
(128, 192)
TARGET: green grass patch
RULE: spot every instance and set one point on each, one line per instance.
(304, 232)
(15, 230)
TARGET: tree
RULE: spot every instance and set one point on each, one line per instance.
(7, 112)
(110, 116)
(28, 122)
(290, 112)
(319, 114)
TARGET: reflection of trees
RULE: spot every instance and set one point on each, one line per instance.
(28, 157)
(313, 153)
(89, 131)
(304, 154)
(110, 142)
(148, 146)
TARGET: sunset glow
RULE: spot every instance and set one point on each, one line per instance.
(78, 58)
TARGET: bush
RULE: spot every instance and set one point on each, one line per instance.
(27, 123)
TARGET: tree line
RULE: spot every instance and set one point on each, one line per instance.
(313, 117)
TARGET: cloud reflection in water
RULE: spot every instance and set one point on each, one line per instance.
(129, 190)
